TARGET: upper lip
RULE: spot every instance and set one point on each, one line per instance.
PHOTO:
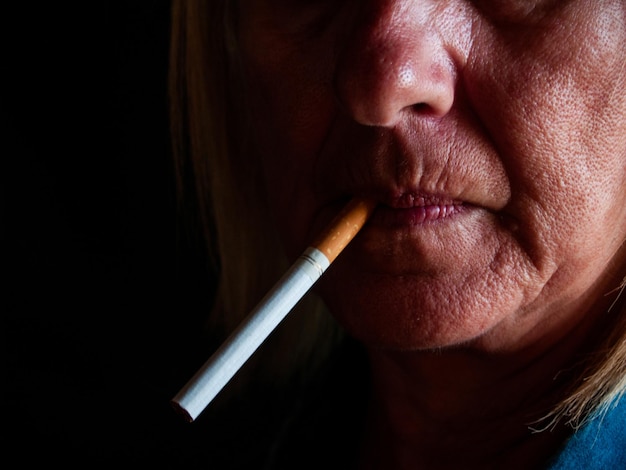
(411, 199)
(411, 166)
(405, 199)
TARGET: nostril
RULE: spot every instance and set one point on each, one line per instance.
(423, 109)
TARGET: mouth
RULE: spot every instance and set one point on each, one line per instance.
(415, 209)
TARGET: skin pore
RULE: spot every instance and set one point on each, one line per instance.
(492, 134)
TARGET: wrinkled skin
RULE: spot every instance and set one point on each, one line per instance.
(492, 133)
(514, 118)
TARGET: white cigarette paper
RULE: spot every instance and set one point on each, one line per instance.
(193, 398)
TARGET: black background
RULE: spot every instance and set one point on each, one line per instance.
(105, 289)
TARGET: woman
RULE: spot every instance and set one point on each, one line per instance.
(485, 288)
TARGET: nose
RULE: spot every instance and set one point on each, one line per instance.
(394, 62)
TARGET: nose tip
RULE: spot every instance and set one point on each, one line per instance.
(382, 77)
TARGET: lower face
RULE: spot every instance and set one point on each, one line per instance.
(501, 198)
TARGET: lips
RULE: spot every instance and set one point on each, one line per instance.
(413, 209)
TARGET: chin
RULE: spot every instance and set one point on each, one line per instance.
(411, 313)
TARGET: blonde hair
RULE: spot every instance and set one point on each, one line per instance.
(213, 157)
(602, 382)
(205, 97)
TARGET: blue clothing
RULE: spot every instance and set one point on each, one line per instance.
(599, 445)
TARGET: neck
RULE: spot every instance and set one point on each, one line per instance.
(465, 408)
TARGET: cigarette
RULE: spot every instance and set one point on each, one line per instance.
(194, 397)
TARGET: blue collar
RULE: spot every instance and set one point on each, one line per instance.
(600, 444)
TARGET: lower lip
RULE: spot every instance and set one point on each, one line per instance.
(414, 216)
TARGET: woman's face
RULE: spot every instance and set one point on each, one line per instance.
(492, 133)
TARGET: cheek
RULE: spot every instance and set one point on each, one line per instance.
(285, 118)
(559, 126)
(290, 111)
(288, 101)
